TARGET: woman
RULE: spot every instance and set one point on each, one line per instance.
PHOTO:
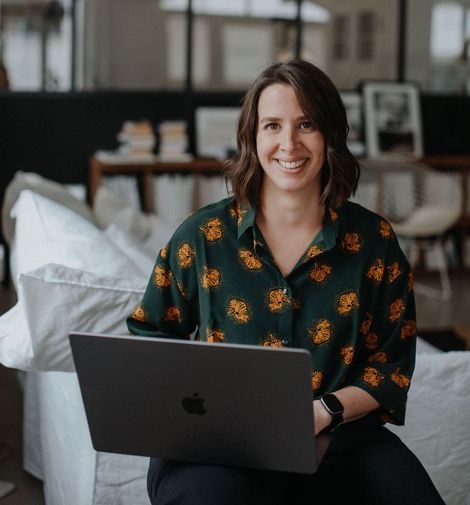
(289, 262)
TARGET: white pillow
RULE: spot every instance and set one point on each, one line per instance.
(153, 231)
(437, 425)
(150, 229)
(47, 232)
(45, 187)
(109, 208)
(142, 255)
(78, 292)
(55, 300)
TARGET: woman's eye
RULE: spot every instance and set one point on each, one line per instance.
(271, 126)
(306, 125)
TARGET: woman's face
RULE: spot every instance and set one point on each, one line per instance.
(290, 150)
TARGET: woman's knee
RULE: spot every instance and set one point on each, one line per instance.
(193, 484)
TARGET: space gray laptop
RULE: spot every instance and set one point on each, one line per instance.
(224, 404)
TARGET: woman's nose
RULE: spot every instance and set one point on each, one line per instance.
(289, 139)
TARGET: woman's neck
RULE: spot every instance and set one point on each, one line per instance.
(288, 211)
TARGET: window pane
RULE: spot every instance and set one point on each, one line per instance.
(446, 31)
(37, 45)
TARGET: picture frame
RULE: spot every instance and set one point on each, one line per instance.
(392, 119)
(352, 102)
(216, 129)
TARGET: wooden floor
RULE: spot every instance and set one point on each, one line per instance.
(432, 315)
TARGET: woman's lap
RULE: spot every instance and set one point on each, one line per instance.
(365, 463)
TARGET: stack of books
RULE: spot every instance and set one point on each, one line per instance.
(174, 141)
(137, 140)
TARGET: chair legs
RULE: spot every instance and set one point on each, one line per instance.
(436, 247)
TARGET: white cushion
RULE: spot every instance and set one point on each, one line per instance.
(437, 427)
(92, 284)
(47, 232)
(45, 187)
(55, 300)
(141, 254)
(109, 208)
(152, 230)
(428, 220)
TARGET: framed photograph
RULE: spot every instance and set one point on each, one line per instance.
(392, 119)
(216, 131)
(353, 104)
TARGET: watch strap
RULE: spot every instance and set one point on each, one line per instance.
(335, 408)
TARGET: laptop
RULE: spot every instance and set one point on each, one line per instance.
(183, 400)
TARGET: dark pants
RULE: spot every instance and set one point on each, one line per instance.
(364, 464)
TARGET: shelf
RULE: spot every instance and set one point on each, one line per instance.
(145, 171)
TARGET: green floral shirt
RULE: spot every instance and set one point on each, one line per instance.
(349, 300)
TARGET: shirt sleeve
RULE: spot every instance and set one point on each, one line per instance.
(387, 355)
(165, 310)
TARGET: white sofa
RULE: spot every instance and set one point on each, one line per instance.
(71, 274)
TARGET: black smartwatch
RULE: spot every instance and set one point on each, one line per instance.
(335, 408)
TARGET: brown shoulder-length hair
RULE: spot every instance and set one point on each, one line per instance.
(322, 104)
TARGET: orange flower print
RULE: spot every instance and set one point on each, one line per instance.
(172, 314)
(238, 213)
(210, 277)
(161, 276)
(372, 377)
(378, 357)
(393, 272)
(365, 325)
(272, 341)
(277, 300)
(215, 336)
(351, 242)
(238, 310)
(185, 255)
(385, 229)
(371, 341)
(212, 229)
(396, 309)
(317, 378)
(313, 252)
(319, 273)
(333, 214)
(320, 332)
(347, 354)
(408, 330)
(347, 302)
(410, 282)
(400, 379)
(139, 314)
(164, 253)
(376, 271)
(250, 260)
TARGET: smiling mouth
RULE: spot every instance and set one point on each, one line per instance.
(290, 165)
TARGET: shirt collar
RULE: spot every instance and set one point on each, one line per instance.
(246, 217)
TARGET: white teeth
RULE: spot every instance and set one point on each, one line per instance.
(292, 164)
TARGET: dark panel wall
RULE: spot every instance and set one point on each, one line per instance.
(446, 124)
(54, 134)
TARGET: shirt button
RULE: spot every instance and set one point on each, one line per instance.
(285, 290)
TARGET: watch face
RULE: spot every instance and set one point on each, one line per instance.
(333, 404)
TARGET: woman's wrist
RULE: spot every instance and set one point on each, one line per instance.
(322, 417)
